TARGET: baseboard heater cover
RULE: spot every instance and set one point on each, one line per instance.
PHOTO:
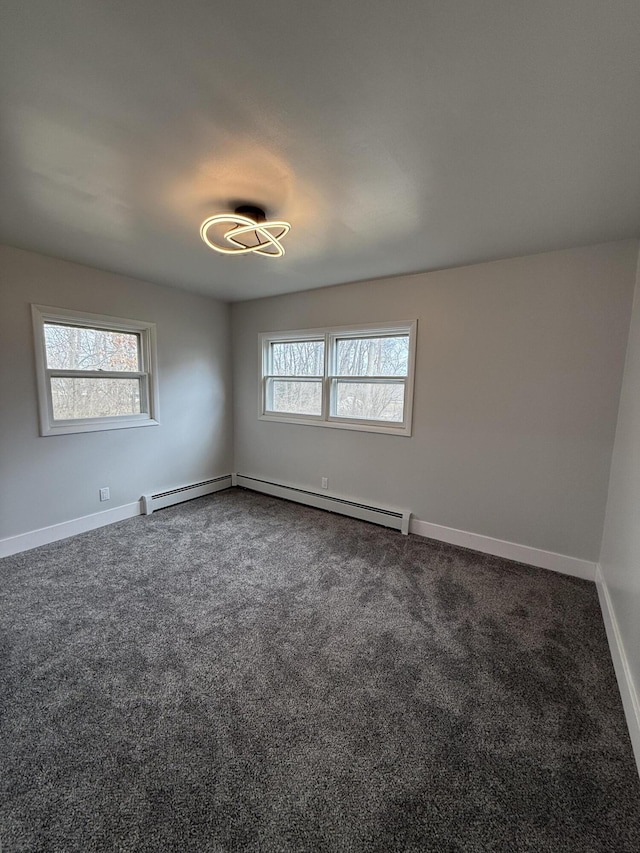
(397, 519)
(184, 493)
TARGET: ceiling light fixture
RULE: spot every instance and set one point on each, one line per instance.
(251, 232)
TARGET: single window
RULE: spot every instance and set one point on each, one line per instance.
(348, 378)
(94, 372)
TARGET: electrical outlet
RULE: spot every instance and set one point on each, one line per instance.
(104, 495)
(325, 482)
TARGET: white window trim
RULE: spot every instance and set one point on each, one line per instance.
(42, 314)
(329, 335)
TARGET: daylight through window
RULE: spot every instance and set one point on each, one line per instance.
(94, 372)
(348, 378)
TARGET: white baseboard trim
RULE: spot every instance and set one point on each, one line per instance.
(475, 541)
(65, 529)
(628, 692)
(405, 522)
(45, 535)
(509, 550)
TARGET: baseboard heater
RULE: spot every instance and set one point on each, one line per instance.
(397, 519)
(184, 493)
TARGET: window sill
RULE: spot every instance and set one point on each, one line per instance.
(97, 426)
(351, 425)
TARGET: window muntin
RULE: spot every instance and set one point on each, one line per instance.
(355, 378)
(94, 372)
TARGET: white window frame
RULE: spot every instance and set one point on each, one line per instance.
(330, 380)
(147, 375)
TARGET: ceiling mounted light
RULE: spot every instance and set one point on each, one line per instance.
(244, 231)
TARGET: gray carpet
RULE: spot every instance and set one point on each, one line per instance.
(244, 674)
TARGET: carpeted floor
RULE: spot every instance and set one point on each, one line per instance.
(244, 674)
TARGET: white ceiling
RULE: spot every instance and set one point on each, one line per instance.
(395, 135)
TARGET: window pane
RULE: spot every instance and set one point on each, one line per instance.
(94, 398)
(384, 356)
(297, 358)
(78, 348)
(296, 398)
(373, 401)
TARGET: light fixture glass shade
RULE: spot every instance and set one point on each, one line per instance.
(246, 236)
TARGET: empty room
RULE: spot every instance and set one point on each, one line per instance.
(320, 426)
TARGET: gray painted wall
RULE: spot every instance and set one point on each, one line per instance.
(519, 367)
(620, 558)
(48, 480)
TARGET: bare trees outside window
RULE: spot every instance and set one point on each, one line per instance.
(81, 349)
(341, 378)
(298, 369)
(370, 392)
(93, 372)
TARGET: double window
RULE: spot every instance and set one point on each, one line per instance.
(350, 378)
(94, 372)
